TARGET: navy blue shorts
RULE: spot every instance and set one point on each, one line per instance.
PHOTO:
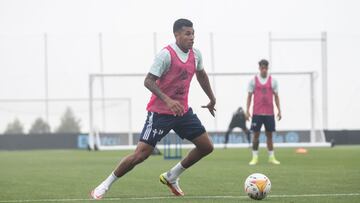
(259, 120)
(157, 126)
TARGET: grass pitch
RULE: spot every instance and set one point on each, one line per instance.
(322, 175)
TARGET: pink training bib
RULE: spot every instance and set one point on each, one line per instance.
(175, 83)
(263, 98)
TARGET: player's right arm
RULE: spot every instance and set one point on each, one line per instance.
(251, 88)
(160, 66)
(174, 106)
(248, 104)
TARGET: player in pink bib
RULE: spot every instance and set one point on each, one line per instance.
(175, 83)
(264, 89)
(169, 81)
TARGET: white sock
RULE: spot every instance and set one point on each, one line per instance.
(271, 153)
(109, 180)
(175, 172)
(255, 153)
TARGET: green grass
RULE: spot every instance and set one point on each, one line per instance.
(38, 175)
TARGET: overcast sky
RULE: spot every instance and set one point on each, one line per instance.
(240, 38)
(22, 16)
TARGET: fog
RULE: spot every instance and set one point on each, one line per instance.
(49, 48)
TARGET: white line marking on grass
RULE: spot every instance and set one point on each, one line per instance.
(173, 197)
(315, 195)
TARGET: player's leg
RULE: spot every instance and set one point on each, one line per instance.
(269, 129)
(156, 126)
(256, 124)
(229, 130)
(269, 141)
(142, 152)
(270, 146)
(248, 134)
(255, 148)
(242, 125)
(233, 123)
(189, 127)
(203, 147)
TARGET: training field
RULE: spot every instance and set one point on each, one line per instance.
(322, 175)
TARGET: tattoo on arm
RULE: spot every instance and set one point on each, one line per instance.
(150, 84)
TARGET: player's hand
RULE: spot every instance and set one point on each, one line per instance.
(247, 115)
(211, 107)
(279, 116)
(175, 107)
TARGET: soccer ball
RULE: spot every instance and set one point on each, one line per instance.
(257, 186)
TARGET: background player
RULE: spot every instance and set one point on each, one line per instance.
(169, 80)
(264, 88)
(238, 120)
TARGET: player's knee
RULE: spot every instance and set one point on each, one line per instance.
(269, 135)
(255, 139)
(208, 149)
(211, 148)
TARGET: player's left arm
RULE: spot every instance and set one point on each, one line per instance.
(277, 103)
(277, 98)
(203, 80)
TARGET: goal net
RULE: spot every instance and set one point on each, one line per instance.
(117, 109)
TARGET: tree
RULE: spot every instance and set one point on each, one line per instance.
(15, 127)
(39, 127)
(69, 123)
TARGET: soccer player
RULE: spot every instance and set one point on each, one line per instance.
(169, 81)
(264, 88)
(238, 120)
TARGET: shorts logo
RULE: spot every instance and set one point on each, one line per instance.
(159, 132)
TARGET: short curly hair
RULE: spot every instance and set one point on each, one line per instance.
(263, 62)
(178, 24)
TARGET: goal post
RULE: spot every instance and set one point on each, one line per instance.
(102, 110)
(298, 93)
